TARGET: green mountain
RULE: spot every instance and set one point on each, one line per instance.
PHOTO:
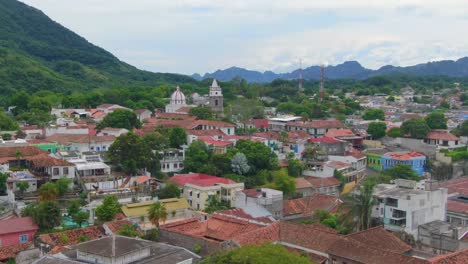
(37, 53)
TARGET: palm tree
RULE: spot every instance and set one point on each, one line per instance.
(360, 205)
(156, 213)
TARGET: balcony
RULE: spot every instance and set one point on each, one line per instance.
(398, 215)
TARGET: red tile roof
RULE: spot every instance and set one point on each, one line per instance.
(456, 186)
(254, 193)
(117, 225)
(10, 252)
(404, 155)
(317, 124)
(218, 228)
(44, 160)
(326, 140)
(457, 257)
(210, 141)
(209, 132)
(338, 164)
(457, 206)
(355, 153)
(26, 151)
(239, 213)
(16, 225)
(295, 135)
(142, 179)
(440, 134)
(140, 111)
(306, 206)
(259, 123)
(53, 239)
(211, 123)
(318, 182)
(380, 238)
(199, 179)
(302, 183)
(340, 133)
(65, 139)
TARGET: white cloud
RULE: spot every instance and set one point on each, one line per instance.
(204, 35)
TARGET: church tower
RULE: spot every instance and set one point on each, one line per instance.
(216, 98)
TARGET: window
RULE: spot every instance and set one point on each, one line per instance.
(198, 195)
(23, 239)
(65, 171)
(104, 147)
(216, 102)
(190, 193)
(198, 206)
(56, 171)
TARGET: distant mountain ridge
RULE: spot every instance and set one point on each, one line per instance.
(348, 69)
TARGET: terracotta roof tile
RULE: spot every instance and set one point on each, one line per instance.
(318, 182)
(115, 226)
(440, 134)
(65, 139)
(9, 252)
(317, 124)
(199, 179)
(211, 123)
(239, 213)
(307, 205)
(380, 238)
(53, 239)
(340, 133)
(458, 257)
(16, 225)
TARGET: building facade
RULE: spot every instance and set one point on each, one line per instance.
(415, 160)
(216, 98)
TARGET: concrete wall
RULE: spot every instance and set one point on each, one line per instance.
(189, 242)
(412, 144)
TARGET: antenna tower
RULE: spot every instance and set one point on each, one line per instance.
(322, 79)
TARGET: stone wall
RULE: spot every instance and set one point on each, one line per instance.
(189, 242)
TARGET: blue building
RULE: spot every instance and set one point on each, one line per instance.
(415, 160)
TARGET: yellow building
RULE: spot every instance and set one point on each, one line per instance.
(197, 188)
(175, 208)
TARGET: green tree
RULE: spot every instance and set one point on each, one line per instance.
(171, 190)
(391, 98)
(201, 112)
(239, 164)
(80, 217)
(214, 204)
(360, 205)
(120, 118)
(128, 231)
(263, 254)
(108, 209)
(48, 192)
(74, 207)
(374, 114)
(415, 128)
(3, 183)
(177, 137)
(464, 129)
(394, 132)
(283, 182)
(402, 171)
(258, 154)
(22, 186)
(46, 214)
(131, 152)
(377, 129)
(6, 136)
(436, 120)
(7, 123)
(196, 157)
(295, 167)
(157, 213)
(63, 185)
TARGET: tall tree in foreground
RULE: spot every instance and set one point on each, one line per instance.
(360, 204)
(436, 120)
(415, 128)
(377, 129)
(157, 213)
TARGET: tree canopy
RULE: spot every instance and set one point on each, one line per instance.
(402, 171)
(374, 114)
(120, 118)
(263, 254)
(415, 128)
(377, 129)
(46, 214)
(201, 112)
(108, 209)
(436, 120)
(171, 190)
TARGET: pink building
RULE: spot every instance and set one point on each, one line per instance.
(17, 231)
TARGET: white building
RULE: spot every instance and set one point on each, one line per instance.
(177, 101)
(142, 114)
(262, 202)
(109, 108)
(172, 160)
(405, 205)
(110, 131)
(280, 123)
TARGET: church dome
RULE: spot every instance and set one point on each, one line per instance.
(178, 97)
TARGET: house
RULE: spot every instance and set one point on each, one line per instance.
(208, 234)
(405, 205)
(172, 160)
(415, 160)
(307, 186)
(110, 131)
(458, 257)
(347, 135)
(197, 188)
(358, 163)
(17, 231)
(306, 206)
(295, 143)
(442, 138)
(440, 237)
(262, 202)
(374, 158)
(193, 135)
(217, 146)
(316, 128)
(121, 249)
(226, 128)
(142, 114)
(373, 246)
(176, 208)
(22, 176)
(88, 164)
(457, 203)
(280, 123)
(109, 108)
(331, 146)
(82, 143)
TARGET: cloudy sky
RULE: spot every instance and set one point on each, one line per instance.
(188, 36)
